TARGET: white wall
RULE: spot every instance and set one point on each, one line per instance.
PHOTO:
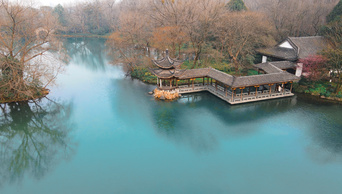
(286, 44)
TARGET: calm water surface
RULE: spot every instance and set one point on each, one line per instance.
(100, 132)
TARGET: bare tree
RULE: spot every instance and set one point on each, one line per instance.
(292, 17)
(131, 36)
(26, 36)
(239, 33)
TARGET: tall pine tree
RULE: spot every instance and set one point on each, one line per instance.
(236, 5)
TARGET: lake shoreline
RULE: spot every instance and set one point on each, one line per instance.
(45, 92)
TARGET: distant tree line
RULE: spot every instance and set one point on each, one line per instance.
(213, 30)
(95, 17)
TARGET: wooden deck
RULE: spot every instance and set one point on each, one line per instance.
(238, 98)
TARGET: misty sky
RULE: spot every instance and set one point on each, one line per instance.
(56, 2)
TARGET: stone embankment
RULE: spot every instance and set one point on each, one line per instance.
(165, 95)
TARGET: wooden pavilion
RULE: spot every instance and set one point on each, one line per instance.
(274, 83)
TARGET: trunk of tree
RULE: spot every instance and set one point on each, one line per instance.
(236, 65)
(197, 54)
(179, 51)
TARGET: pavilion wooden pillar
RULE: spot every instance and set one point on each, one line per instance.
(177, 83)
(211, 81)
(233, 92)
(193, 84)
(170, 83)
(161, 83)
(226, 88)
(249, 90)
(291, 87)
(256, 90)
(203, 81)
(241, 92)
(216, 85)
(270, 88)
(188, 83)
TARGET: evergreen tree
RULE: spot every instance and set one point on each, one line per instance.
(336, 13)
(236, 5)
(59, 11)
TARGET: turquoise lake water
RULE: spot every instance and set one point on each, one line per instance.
(100, 132)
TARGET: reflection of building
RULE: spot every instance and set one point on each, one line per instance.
(275, 83)
(293, 49)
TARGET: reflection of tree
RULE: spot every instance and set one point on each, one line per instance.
(33, 136)
(88, 51)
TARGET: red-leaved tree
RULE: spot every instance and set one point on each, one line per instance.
(314, 67)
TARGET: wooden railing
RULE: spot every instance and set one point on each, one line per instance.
(227, 95)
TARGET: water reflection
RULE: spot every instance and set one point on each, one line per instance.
(33, 137)
(190, 120)
(88, 52)
(326, 133)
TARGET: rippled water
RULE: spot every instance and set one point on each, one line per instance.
(100, 132)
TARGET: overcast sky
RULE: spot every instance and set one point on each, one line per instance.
(56, 2)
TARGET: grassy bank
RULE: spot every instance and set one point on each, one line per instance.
(322, 89)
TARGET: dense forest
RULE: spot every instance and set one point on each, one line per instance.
(218, 33)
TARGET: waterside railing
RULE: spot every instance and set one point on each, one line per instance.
(231, 98)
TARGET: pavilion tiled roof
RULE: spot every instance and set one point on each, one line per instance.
(221, 76)
(167, 62)
(274, 75)
(194, 73)
(167, 73)
(245, 81)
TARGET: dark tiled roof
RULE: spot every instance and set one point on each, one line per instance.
(279, 52)
(302, 48)
(278, 76)
(245, 81)
(221, 76)
(194, 73)
(268, 68)
(310, 45)
(284, 64)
